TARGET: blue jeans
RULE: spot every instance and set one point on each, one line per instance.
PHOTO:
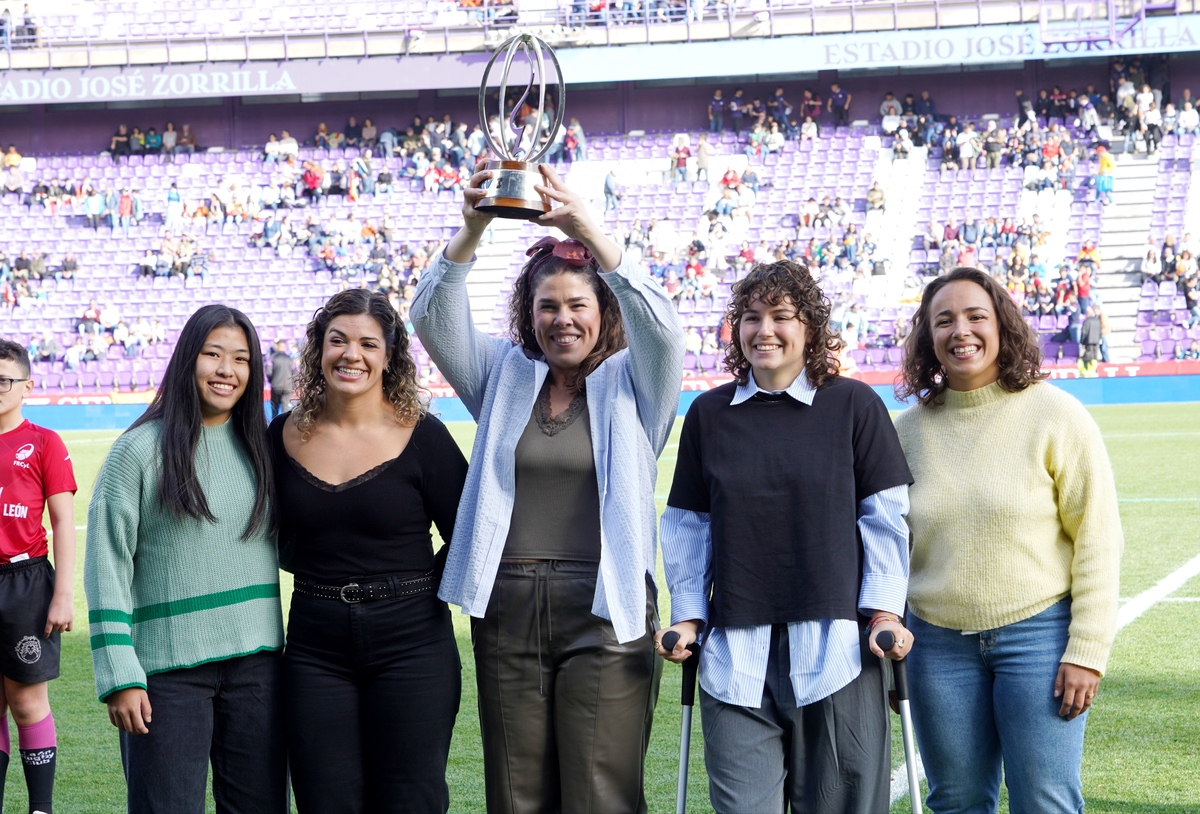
(986, 699)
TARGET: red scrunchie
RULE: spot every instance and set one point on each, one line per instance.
(570, 251)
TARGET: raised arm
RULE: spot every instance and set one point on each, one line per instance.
(441, 309)
(651, 324)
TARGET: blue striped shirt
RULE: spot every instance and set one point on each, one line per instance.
(825, 655)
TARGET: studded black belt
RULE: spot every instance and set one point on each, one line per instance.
(372, 591)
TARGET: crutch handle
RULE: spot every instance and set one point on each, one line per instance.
(886, 641)
(687, 694)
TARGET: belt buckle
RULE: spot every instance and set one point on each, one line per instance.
(342, 593)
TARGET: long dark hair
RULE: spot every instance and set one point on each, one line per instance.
(177, 404)
(611, 336)
(400, 386)
(1019, 356)
(773, 283)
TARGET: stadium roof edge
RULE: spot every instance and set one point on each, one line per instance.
(911, 49)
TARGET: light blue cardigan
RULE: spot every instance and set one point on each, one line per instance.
(632, 399)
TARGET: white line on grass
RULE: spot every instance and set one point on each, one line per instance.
(1150, 434)
(1158, 499)
(900, 780)
(1129, 611)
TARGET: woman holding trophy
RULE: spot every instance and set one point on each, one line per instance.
(553, 548)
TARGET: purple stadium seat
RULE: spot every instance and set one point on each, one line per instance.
(689, 361)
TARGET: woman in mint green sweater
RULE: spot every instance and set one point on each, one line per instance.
(183, 586)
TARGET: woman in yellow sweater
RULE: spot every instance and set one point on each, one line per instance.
(1016, 548)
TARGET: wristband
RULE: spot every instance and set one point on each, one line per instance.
(875, 620)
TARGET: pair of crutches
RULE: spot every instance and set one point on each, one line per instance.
(687, 699)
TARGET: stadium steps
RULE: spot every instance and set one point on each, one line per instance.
(487, 277)
(1125, 231)
(904, 184)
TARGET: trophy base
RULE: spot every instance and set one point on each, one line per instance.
(510, 192)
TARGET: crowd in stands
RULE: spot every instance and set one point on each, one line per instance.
(1050, 136)
(1172, 267)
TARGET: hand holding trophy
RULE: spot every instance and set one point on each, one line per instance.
(509, 191)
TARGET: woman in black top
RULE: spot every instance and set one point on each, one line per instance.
(372, 675)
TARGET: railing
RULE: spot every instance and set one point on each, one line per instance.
(412, 28)
(1065, 21)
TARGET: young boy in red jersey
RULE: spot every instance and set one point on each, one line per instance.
(35, 473)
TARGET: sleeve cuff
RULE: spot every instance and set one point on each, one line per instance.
(1087, 653)
(685, 607)
(883, 592)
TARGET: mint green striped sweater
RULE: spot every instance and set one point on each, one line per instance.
(166, 593)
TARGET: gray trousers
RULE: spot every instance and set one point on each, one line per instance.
(829, 757)
(564, 708)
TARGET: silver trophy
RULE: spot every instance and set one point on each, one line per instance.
(510, 193)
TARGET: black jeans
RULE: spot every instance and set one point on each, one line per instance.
(372, 691)
(227, 712)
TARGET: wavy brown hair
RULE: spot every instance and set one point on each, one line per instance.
(520, 312)
(407, 398)
(774, 283)
(1019, 357)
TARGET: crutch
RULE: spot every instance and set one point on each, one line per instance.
(687, 698)
(886, 640)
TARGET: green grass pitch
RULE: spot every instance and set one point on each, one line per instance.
(1143, 742)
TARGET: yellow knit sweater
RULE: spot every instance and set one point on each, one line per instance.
(1013, 508)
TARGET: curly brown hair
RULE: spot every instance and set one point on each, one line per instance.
(520, 312)
(773, 283)
(408, 399)
(1019, 357)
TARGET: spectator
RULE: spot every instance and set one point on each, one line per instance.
(66, 271)
(352, 132)
(809, 130)
(288, 147)
(169, 139)
(925, 106)
(773, 139)
(679, 159)
(839, 105)
(119, 145)
(1104, 175)
(810, 104)
(749, 181)
(612, 193)
(12, 159)
(902, 145)
(969, 146)
(778, 107)
(703, 154)
(1152, 128)
(1189, 120)
(737, 110)
(270, 153)
(186, 142)
(321, 138)
(576, 141)
(875, 198)
(153, 141)
(890, 109)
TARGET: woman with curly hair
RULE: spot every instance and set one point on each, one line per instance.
(785, 545)
(553, 554)
(1015, 554)
(371, 670)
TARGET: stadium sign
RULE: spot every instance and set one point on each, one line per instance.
(976, 45)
